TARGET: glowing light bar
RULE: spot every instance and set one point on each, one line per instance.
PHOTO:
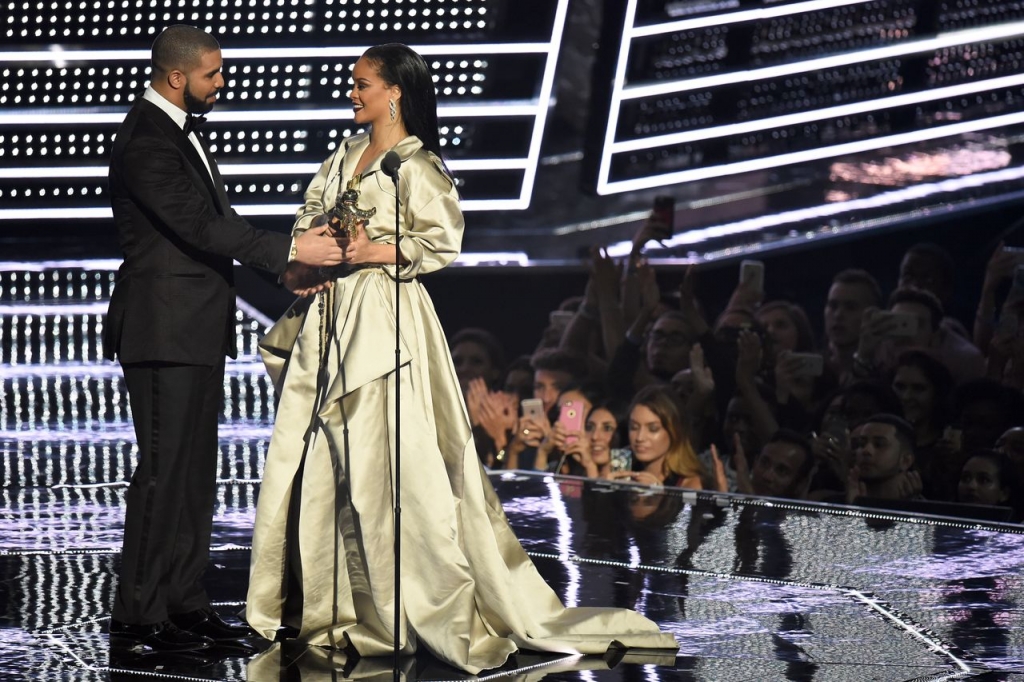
(738, 17)
(231, 169)
(796, 217)
(887, 102)
(37, 117)
(453, 49)
(903, 49)
(606, 187)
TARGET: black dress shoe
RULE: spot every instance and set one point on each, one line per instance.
(163, 637)
(208, 623)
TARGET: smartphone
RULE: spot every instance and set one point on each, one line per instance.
(559, 319)
(954, 436)
(533, 409)
(622, 459)
(665, 212)
(571, 419)
(752, 272)
(836, 426)
(811, 364)
(905, 324)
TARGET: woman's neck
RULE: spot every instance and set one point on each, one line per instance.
(658, 468)
(387, 137)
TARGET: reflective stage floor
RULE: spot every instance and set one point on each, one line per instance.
(751, 589)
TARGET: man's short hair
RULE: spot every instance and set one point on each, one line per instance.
(904, 431)
(791, 437)
(557, 360)
(921, 297)
(181, 48)
(943, 260)
(863, 278)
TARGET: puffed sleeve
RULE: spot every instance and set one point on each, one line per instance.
(433, 221)
(314, 197)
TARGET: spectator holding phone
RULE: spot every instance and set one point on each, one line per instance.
(851, 293)
(566, 435)
(787, 327)
(1000, 269)
(661, 447)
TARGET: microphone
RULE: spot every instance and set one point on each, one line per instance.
(390, 165)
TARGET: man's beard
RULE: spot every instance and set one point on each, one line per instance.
(194, 105)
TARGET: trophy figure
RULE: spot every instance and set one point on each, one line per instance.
(346, 214)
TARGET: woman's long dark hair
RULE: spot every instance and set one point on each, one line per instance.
(400, 65)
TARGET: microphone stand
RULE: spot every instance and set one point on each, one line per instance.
(392, 170)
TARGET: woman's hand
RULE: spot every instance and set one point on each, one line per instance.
(744, 482)
(721, 480)
(532, 432)
(641, 477)
(497, 415)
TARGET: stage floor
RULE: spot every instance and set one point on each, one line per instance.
(751, 589)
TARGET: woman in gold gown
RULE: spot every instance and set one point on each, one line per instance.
(322, 556)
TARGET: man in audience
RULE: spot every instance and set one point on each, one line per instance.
(553, 370)
(913, 320)
(783, 469)
(852, 291)
(930, 267)
(883, 453)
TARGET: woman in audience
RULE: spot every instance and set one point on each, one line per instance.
(477, 353)
(923, 385)
(987, 478)
(553, 450)
(661, 447)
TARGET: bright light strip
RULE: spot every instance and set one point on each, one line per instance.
(105, 369)
(799, 216)
(229, 169)
(37, 117)
(89, 265)
(537, 109)
(547, 83)
(737, 17)
(442, 50)
(943, 40)
(887, 102)
(705, 172)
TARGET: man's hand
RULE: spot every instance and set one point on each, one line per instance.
(318, 247)
(303, 280)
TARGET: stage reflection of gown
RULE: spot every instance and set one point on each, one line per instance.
(470, 593)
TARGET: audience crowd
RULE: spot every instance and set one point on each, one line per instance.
(892, 404)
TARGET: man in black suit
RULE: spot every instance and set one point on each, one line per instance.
(171, 323)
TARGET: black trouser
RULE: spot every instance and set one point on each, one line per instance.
(169, 511)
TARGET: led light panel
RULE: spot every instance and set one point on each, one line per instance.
(697, 93)
(67, 82)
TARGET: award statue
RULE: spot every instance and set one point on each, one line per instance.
(346, 214)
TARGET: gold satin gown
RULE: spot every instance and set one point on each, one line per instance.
(470, 594)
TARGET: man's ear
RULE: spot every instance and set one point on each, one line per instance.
(176, 79)
(906, 459)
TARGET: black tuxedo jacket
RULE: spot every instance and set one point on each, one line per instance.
(174, 298)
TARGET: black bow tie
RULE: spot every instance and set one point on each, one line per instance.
(193, 122)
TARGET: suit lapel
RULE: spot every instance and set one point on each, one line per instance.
(181, 141)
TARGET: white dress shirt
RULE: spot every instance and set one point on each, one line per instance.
(179, 116)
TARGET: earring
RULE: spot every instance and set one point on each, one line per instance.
(392, 109)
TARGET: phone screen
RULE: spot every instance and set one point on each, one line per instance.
(665, 212)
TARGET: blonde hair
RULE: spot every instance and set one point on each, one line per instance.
(681, 458)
